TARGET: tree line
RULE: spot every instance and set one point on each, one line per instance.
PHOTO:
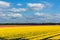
(29, 23)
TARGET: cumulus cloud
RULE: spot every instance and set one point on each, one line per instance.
(45, 15)
(35, 6)
(4, 4)
(40, 18)
(11, 15)
(7, 15)
(7, 12)
(38, 14)
(17, 10)
(14, 15)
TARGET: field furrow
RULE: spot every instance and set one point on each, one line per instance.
(44, 36)
(55, 37)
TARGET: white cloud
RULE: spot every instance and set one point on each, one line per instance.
(35, 6)
(44, 15)
(19, 4)
(17, 10)
(4, 4)
(47, 17)
(14, 15)
(38, 14)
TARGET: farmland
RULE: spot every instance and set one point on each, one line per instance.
(26, 32)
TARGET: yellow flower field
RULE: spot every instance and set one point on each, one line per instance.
(26, 32)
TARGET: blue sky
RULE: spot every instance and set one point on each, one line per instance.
(29, 11)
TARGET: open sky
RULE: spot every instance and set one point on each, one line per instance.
(29, 11)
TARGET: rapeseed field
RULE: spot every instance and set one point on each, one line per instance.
(26, 32)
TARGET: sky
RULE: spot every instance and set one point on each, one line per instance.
(29, 11)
